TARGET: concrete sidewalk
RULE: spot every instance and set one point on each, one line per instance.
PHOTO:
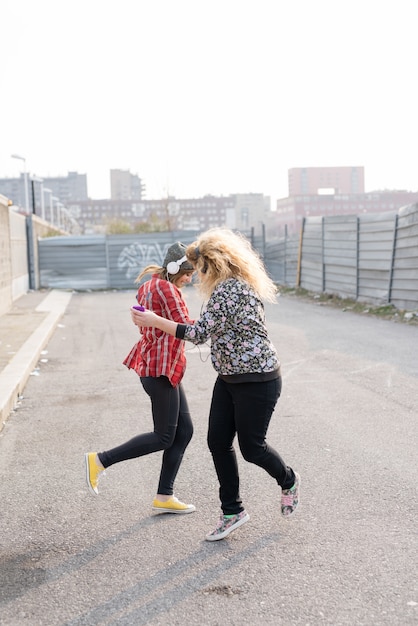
(24, 332)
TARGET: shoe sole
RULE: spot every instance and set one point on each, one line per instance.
(89, 485)
(229, 530)
(158, 509)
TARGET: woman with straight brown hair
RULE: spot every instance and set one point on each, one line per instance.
(160, 362)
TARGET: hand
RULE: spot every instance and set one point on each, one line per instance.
(143, 318)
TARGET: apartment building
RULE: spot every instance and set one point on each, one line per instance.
(66, 188)
(332, 191)
(241, 211)
(309, 181)
(125, 186)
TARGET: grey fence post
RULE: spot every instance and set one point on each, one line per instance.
(392, 261)
(357, 257)
(285, 255)
(299, 271)
(30, 251)
(107, 261)
(323, 253)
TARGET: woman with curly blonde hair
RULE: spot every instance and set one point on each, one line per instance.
(233, 278)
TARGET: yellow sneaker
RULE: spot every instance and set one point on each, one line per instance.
(172, 506)
(93, 471)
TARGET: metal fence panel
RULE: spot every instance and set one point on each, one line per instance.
(372, 258)
(341, 255)
(76, 262)
(280, 260)
(128, 255)
(292, 253)
(311, 272)
(102, 261)
(404, 293)
(376, 235)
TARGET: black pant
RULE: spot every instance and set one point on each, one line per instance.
(173, 430)
(245, 410)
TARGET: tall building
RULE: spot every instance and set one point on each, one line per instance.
(67, 189)
(309, 181)
(125, 186)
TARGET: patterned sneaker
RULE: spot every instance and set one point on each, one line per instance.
(290, 498)
(93, 471)
(226, 525)
(172, 506)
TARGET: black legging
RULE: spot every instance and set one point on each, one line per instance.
(173, 430)
(245, 410)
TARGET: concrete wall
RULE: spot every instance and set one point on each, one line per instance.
(18, 254)
(5, 258)
(15, 228)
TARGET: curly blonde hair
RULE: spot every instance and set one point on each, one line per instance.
(220, 253)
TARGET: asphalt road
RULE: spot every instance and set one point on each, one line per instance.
(346, 421)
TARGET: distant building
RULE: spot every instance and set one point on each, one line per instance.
(250, 210)
(125, 186)
(331, 191)
(241, 211)
(128, 204)
(14, 190)
(66, 188)
(310, 181)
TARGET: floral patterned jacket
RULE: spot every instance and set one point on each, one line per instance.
(234, 321)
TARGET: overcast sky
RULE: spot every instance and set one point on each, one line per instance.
(217, 97)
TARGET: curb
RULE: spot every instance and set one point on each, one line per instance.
(15, 375)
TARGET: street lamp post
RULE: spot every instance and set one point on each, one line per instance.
(35, 179)
(66, 219)
(59, 205)
(25, 174)
(56, 200)
(42, 201)
(45, 189)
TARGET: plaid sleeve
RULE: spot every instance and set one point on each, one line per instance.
(174, 306)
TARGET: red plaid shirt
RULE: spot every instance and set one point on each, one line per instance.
(157, 353)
